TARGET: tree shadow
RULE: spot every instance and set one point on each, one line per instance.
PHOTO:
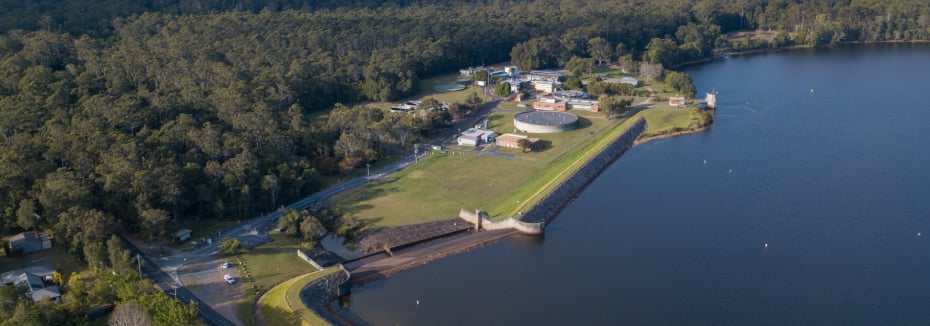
(277, 316)
(493, 121)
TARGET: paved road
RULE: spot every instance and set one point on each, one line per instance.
(164, 270)
(174, 289)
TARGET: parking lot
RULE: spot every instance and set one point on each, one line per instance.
(205, 279)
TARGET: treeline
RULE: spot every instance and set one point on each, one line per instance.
(112, 117)
(113, 280)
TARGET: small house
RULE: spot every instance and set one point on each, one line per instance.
(500, 74)
(35, 286)
(467, 140)
(182, 235)
(630, 80)
(515, 85)
(676, 101)
(476, 136)
(550, 104)
(27, 242)
(513, 141)
(580, 104)
(513, 71)
(545, 86)
(544, 75)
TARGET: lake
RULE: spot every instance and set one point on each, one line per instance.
(807, 211)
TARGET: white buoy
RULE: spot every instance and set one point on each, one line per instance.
(418, 302)
(918, 234)
(812, 91)
(705, 162)
(731, 170)
(765, 245)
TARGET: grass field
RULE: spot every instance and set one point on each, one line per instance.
(427, 91)
(268, 265)
(64, 262)
(282, 304)
(557, 171)
(668, 120)
(590, 126)
(438, 186)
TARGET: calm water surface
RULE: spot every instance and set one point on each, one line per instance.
(836, 182)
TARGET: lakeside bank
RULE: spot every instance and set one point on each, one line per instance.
(533, 221)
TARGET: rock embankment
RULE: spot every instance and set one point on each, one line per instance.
(549, 207)
(318, 294)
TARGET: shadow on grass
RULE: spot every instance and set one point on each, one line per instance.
(583, 123)
(369, 223)
(545, 146)
(492, 120)
(278, 316)
(361, 207)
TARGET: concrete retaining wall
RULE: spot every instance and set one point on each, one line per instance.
(302, 255)
(549, 206)
(482, 221)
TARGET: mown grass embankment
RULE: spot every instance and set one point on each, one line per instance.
(264, 266)
(282, 304)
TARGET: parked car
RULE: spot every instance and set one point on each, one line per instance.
(226, 265)
(229, 279)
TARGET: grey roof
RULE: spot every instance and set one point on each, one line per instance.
(50, 292)
(37, 267)
(28, 237)
(546, 118)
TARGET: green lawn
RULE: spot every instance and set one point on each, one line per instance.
(282, 304)
(530, 193)
(438, 186)
(668, 120)
(427, 91)
(266, 266)
(511, 105)
(64, 262)
(274, 305)
(591, 125)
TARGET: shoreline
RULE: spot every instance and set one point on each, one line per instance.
(424, 253)
(430, 248)
(672, 134)
(723, 55)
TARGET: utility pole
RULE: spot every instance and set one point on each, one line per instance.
(368, 168)
(139, 262)
(416, 159)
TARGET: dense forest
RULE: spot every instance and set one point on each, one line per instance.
(127, 115)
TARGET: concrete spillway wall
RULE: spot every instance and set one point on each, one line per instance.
(482, 221)
(549, 206)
